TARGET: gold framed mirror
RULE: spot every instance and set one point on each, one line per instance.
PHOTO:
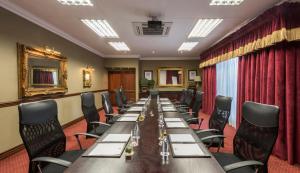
(170, 77)
(41, 72)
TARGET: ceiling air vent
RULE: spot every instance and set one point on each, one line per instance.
(142, 28)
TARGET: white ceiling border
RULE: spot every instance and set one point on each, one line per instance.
(169, 58)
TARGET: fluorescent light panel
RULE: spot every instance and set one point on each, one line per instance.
(119, 46)
(76, 2)
(226, 2)
(204, 26)
(101, 27)
(187, 46)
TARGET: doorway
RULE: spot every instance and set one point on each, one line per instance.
(124, 78)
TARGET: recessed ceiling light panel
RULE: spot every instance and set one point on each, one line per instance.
(101, 27)
(119, 46)
(187, 46)
(226, 2)
(76, 2)
(204, 26)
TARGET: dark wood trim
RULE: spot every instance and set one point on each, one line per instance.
(21, 146)
(39, 98)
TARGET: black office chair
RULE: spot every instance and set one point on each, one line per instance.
(124, 98)
(253, 141)
(122, 108)
(187, 104)
(111, 117)
(192, 117)
(182, 98)
(217, 123)
(91, 115)
(44, 139)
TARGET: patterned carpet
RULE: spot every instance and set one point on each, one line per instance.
(18, 163)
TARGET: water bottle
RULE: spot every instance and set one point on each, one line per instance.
(165, 148)
(135, 135)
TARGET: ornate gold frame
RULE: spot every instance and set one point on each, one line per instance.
(170, 68)
(23, 72)
(87, 83)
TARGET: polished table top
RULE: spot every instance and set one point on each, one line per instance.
(146, 156)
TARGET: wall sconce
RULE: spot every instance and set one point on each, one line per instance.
(87, 76)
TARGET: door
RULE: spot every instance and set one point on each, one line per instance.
(124, 78)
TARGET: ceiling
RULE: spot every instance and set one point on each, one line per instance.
(121, 13)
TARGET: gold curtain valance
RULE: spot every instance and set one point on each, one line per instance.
(269, 40)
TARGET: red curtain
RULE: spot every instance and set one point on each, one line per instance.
(209, 89)
(272, 76)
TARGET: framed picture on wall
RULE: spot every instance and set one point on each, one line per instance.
(148, 74)
(192, 74)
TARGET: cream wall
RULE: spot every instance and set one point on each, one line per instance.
(16, 29)
(125, 62)
(155, 64)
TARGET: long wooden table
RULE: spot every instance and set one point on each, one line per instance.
(146, 156)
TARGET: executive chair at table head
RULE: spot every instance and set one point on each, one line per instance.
(91, 114)
(254, 139)
(43, 137)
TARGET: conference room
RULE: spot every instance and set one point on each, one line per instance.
(150, 86)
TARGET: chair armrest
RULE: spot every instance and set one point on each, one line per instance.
(191, 119)
(180, 105)
(52, 160)
(87, 134)
(98, 122)
(212, 137)
(188, 113)
(114, 115)
(207, 130)
(84, 134)
(242, 164)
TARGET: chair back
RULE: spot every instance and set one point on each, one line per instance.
(40, 130)
(257, 133)
(89, 109)
(119, 99)
(221, 113)
(107, 106)
(182, 97)
(123, 96)
(197, 103)
(189, 97)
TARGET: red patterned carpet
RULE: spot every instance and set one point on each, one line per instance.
(18, 163)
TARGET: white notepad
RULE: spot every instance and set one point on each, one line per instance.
(169, 109)
(107, 150)
(187, 150)
(176, 125)
(116, 138)
(130, 115)
(181, 138)
(135, 109)
(172, 119)
(126, 119)
(165, 103)
(144, 99)
(140, 103)
(164, 99)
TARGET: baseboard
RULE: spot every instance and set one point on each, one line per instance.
(20, 147)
